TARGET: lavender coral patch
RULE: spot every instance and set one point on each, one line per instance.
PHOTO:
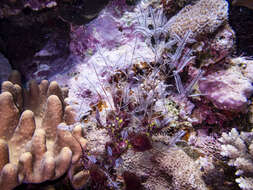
(227, 89)
(100, 32)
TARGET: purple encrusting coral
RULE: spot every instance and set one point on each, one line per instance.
(227, 89)
(84, 39)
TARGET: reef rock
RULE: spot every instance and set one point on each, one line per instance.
(245, 65)
(227, 89)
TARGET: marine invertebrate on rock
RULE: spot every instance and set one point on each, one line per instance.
(238, 147)
(130, 120)
(171, 60)
(201, 18)
(153, 24)
(33, 149)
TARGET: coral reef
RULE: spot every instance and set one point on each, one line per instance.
(33, 149)
(238, 148)
(147, 87)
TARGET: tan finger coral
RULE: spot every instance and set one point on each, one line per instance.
(32, 147)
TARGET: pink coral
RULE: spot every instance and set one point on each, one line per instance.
(98, 32)
(227, 89)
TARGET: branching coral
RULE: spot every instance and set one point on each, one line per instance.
(33, 149)
(238, 147)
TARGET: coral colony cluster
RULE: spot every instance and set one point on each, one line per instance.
(129, 95)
